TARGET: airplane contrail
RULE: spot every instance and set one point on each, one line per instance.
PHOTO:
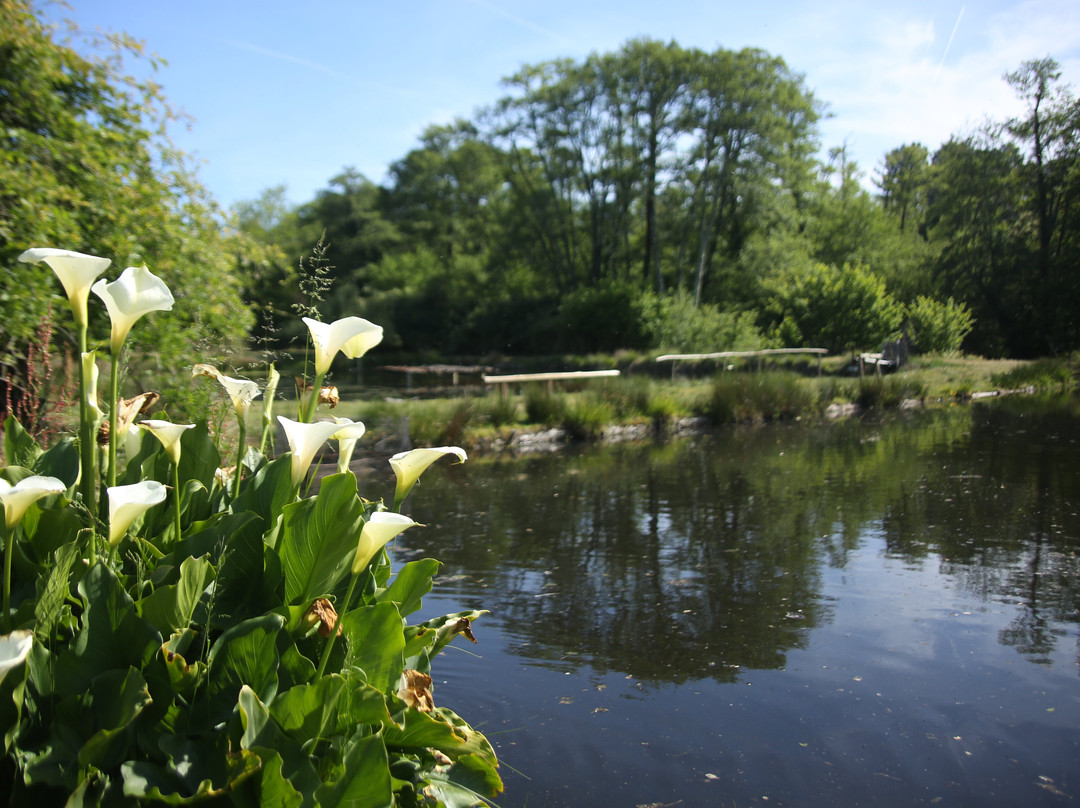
(949, 43)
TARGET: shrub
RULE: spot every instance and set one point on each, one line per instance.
(674, 323)
(937, 327)
(543, 406)
(739, 397)
(586, 416)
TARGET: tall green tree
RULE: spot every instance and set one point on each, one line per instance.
(86, 165)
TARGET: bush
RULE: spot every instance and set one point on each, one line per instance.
(674, 323)
(888, 392)
(586, 416)
(542, 406)
(937, 327)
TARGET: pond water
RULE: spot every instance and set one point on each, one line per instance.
(868, 612)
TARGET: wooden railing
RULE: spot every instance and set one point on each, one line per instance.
(504, 382)
(676, 358)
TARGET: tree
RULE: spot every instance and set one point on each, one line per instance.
(903, 183)
(87, 165)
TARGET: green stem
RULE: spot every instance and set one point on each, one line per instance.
(311, 401)
(87, 448)
(9, 539)
(114, 399)
(334, 631)
(176, 498)
(242, 424)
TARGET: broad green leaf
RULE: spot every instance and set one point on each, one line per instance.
(170, 608)
(331, 706)
(52, 595)
(60, 461)
(376, 643)
(441, 729)
(366, 782)
(199, 457)
(263, 736)
(246, 654)
(19, 447)
(267, 492)
(318, 539)
(184, 678)
(411, 583)
(275, 789)
(119, 697)
(111, 637)
(147, 781)
(48, 530)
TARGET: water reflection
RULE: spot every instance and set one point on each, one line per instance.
(865, 577)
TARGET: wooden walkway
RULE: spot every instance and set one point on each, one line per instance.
(676, 358)
(504, 382)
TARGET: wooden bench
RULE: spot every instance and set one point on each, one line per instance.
(504, 382)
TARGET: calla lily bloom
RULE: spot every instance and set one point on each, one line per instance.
(76, 271)
(14, 649)
(352, 336)
(408, 466)
(128, 502)
(347, 436)
(17, 498)
(379, 529)
(304, 442)
(169, 434)
(272, 379)
(136, 292)
(241, 391)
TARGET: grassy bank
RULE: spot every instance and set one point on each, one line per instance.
(737, 395)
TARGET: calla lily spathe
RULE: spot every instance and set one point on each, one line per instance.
(136, 292)
(352, 336)
(128, 502)
(380, 528)
(76, 271)
(241, 391)
(169, 434)
(408, 466)
(304, 442)
(17, 498)
(14, 649)
(348, 434)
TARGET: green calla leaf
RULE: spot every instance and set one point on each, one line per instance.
(21, 449)
(440, 729)
(170, 608)
(60, 461)
(119, 698)
(411, 583)
(318, 539)
(376, 643)
(246, 654)
(366, 781)
(172, 785)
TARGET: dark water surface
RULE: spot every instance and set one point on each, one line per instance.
(869, 612)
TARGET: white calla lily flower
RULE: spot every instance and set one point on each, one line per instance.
(272, 379)
(169, 434)
(304, 442)
(17, 498)
(128, 502)
(14, 649)
(347, 436)
(380, 528)
(241, 391)
(136, 292)
(408, 466)
(352, 336)
(76, 271)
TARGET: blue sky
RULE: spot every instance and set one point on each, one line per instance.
(290, 93)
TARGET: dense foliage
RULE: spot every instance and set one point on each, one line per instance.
(660, 173)
(85, 161)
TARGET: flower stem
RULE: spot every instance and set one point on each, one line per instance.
(87, 448)
(176, 498)
(334, 631)
(114, 395)
(9, 539)
(311, 401)
(242, 424)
